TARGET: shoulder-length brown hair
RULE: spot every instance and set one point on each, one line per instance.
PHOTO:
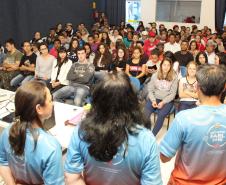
(170, 75)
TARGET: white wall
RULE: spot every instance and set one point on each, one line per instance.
(207, 17)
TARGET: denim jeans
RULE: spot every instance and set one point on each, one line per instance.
(99, 75)
(187, 105)
(20, 79)
(79, 94)
(161, 114)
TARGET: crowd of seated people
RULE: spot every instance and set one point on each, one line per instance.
(71, 62)
(139, 52)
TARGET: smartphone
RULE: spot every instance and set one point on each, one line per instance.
(152, 67)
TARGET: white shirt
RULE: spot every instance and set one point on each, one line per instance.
(211, 57)
(62, 77)
(172, 47)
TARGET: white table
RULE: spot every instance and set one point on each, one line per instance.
(6, 105)
(61, 131)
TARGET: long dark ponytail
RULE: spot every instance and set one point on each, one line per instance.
(27, 97)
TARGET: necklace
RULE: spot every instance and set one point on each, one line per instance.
(189, 82)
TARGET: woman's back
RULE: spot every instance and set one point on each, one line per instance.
(34, 165)
(137, 163)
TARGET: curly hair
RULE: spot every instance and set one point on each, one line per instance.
(115, 113)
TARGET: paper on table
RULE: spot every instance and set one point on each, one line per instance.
(63, 112)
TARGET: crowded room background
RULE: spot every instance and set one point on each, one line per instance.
(126, 74)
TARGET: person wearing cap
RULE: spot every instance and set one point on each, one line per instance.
(150, 43)
(172, 45)
(144, 36)
(210, 47)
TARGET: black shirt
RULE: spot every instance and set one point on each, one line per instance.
(120, 64)
(183, 59)
(26, 60)
(136, 69)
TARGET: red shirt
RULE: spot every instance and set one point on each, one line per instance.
(53, 52)
(148, 46)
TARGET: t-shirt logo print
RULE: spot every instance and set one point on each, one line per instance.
(216, 136)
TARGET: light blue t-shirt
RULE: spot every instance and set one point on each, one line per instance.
(42, 165)
(140, 165)
(199, 136)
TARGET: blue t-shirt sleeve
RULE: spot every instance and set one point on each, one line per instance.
(173, 139)
(151, 173)
(74, 162)
(53, 172)
(3, 153)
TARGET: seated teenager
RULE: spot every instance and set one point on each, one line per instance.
(188, 88)
(201, 58)
(153, 64)
(29, 154)
(26, 66)
(102, 61)
(72, 52)
(90, 55)
(44, 64)
(135, 66)
(80, 78)
(119, 63)
(162, 90)
(60, 69)
(10, 65)
(112, 145)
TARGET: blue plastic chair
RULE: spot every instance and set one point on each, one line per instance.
(183, 71)
(135, 83)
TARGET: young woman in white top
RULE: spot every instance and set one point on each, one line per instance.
(188, 88)
(60, 69)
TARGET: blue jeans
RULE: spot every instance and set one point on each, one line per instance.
(79, 94)
(187, 105)
(99, 75)
(161, 114)
(20, 79)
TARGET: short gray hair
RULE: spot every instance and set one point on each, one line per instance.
(211, 79)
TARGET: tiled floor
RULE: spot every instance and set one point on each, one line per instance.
(166, 168)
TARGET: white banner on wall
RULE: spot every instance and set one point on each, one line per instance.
(133, 12)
